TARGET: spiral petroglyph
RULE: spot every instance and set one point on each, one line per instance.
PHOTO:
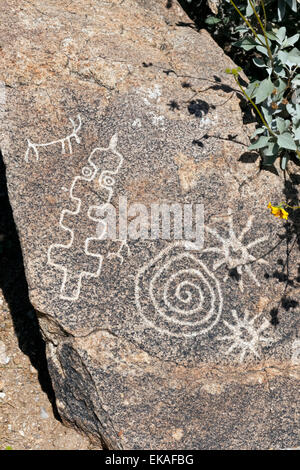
(176, 293)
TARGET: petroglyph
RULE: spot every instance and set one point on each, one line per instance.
(34, 148)
(246, 337)
(177, 294)
(234, 254)
(74, 259)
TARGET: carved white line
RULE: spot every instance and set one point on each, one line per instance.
(154, 93)
(136, 123)
(234, 254)
(296, 352)
(63, 141)
(157, 120)
(245, 336)
(118, 254)
(191, 284)
(89, 178)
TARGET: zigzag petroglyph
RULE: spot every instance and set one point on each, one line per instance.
(72, 276)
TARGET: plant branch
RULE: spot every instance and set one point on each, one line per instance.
(264, 11)
(254, 106)
(247, 22)
(263, 31)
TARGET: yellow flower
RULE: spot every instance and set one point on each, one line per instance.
(278, 211)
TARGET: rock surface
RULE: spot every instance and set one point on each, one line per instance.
(150, 345)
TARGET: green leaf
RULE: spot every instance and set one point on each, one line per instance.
(246, 43)
(259, 62)
(280, 10)
(282, 56)
(284, 161)
(286, 141)
(296, 80)
(279, 70)
(290, 58)
(296, 97)
(212, 20)
(297, 133)
(241, 29)
(296, 122)
(282, 124)
(293, 109)
(262, 38)
(280, 35)
(271, 150)
(281, 86)
(251, 88)
(267, 115)
(293, 57)
(290, 41)
(292, 4)
(269, 160)
(260, 143)
(249, 11)
(262, 49)
(258, 131)
(271, 35)
(264, 90)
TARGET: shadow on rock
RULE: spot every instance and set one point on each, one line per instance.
(285, 273)
(15, 290)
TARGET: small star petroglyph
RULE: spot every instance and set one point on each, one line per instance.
(234, 254)
(245, 336)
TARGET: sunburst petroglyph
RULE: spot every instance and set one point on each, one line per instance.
(245, 336)
(234, 253)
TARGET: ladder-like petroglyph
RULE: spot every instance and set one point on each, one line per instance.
(81, 257)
